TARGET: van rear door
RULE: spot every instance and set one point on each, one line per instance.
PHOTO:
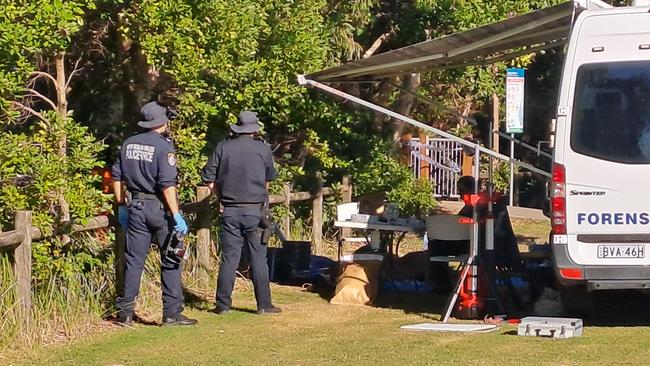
(608, 164)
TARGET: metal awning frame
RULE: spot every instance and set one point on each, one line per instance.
(302, 80)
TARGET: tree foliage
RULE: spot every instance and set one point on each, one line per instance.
(209, 60)
(30, 31)
(46, 157)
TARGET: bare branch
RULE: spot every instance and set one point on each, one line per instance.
(74, 71)
(376, 44)
(285, 142)
(38, 74)
(29, 110)
(42, 97)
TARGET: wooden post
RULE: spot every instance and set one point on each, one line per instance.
(346, 197)
(23, 263)
(467, 166)
(203, 236)
(286, 220)
(317, 224)
(425, 167)
(346, 189)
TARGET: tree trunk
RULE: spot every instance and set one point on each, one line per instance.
(405, 102)
(136, 77)
(465, 108)
(382, 92)
(62, 101)
(62, 111)
(380, 97)
(376, 45)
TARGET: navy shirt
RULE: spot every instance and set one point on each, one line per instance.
(147, 163)
(241, 167)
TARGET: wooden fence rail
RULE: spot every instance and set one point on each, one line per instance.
(19, 241)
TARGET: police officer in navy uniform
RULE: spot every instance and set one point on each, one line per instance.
(239, 171)
(147, 164)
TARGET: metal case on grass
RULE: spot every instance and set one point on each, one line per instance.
(550, 327)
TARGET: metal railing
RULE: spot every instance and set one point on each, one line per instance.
(438, 160)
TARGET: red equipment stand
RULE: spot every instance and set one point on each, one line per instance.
(469, 299)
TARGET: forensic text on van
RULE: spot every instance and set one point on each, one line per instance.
(614, 218)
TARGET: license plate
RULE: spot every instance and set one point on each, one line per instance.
(621, 251)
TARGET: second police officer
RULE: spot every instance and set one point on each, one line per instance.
(147, 165)
(239, 171)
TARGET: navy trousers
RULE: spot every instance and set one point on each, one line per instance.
(239, 230)
(148, 221)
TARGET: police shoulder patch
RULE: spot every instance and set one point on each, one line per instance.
(171, 159)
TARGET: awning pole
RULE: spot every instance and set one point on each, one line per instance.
(304, 81)
(512, 170)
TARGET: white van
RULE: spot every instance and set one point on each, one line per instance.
(600, 189)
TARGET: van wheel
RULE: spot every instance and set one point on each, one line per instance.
(578, 301)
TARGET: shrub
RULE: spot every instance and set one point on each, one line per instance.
(378, 171)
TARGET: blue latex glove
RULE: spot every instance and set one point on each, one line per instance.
(181, 225)
(123, 216)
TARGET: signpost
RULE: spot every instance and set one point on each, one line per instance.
(515, 82)
(515, 101)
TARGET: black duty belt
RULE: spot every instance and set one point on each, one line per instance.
(244, 205)
(144, 196)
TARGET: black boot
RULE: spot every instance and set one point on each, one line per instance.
(273, 310)
(124, 319)
(179, 319)
(216, 310)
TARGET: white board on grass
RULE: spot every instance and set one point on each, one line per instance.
(448, 327)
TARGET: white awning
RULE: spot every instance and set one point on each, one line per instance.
(510, 38)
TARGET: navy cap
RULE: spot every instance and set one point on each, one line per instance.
(247, 122)
(154, 114)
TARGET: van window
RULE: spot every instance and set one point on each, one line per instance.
(611, 112)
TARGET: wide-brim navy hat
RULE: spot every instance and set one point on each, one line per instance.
(247, 122)
(154, 115)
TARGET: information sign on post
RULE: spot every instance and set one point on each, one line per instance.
(515, 79)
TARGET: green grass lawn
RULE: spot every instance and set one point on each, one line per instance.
(532, 231)
(313, 332)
